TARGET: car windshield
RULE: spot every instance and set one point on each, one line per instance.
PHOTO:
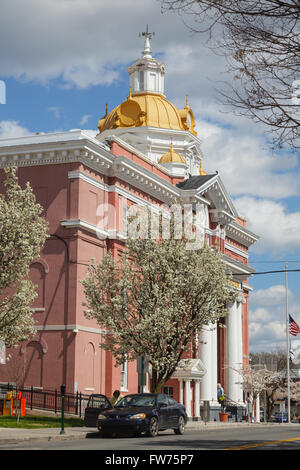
(136, 400)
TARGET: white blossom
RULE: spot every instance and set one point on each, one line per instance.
(155, 298)
(22, 232)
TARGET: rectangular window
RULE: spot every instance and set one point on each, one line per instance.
(168, 391)
(152, 82)
(141, 80)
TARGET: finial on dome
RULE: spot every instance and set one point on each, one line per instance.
(147, 49)
(171, 145)
(129, 97)
(201, 171)
(171, 156)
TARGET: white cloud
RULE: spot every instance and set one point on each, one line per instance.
(277, 227)
(78, 40)
(85, 119)
(10, 129)
(267, 317)
(56, 110)
(258, 180)
(270, 297)
(246, 165)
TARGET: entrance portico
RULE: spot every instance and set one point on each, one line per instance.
(189, 374)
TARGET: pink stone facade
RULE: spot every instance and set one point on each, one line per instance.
(66, 346)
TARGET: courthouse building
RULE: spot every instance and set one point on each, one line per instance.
(146, 152)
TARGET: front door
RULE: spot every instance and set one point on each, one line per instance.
(164, 411)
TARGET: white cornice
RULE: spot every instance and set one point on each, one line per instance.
(241, 234)
(80, 147)
(94, 229)
(125, 193)
(236, 267)
(74, 328)
(234, 249)
(145, 180)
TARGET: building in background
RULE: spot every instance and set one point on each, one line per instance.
(146, 153)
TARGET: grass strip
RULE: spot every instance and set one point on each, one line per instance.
(39, 421)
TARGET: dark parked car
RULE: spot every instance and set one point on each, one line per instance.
(282, 416)
(143, 413)
(96, 404)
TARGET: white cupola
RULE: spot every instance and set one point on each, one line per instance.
(147, 74)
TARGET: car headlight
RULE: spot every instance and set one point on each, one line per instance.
(138, 416)
(101, 417)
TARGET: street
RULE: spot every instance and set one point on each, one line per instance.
(254, 437)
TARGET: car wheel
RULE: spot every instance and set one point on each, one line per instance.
(153, 427)
(180, 427)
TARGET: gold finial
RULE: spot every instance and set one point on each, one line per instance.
(105, 110)
(186, 100)
(201, 171)
(171, 156)
(129, 97)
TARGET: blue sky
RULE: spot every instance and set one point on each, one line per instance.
(63, 60)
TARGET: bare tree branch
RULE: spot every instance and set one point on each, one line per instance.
(261, 42)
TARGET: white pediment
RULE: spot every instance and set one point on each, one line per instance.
(211, 187)
(223, 208)
(189, 369)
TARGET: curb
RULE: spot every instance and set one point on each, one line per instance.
(77, 434)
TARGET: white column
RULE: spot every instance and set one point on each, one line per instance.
(234, 352)
(197, 399)
(188, 398)
(231, 353)
(214, 363)
(239, 342)
(181, 391)
(205, 355)
(257, 417)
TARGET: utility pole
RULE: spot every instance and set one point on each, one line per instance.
(287, 344)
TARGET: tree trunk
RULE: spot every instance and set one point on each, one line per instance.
(156, 382)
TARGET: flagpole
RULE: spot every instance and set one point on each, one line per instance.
(287, 344)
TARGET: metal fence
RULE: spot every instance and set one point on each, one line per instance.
(49, 400)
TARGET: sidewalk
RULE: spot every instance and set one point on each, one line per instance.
(14, 435)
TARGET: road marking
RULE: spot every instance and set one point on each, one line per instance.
(260, 444)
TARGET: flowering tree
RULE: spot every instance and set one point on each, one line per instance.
(155, 298)
(255, 381)
(282, 393)
(22, 232)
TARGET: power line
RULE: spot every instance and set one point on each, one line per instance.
(268, 272)
(281, 261)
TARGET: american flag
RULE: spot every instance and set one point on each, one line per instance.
(293, 327)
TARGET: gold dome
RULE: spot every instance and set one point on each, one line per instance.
(172, 157)
(148, 109)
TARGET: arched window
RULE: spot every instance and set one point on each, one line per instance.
(33, 364)
(88, 366)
